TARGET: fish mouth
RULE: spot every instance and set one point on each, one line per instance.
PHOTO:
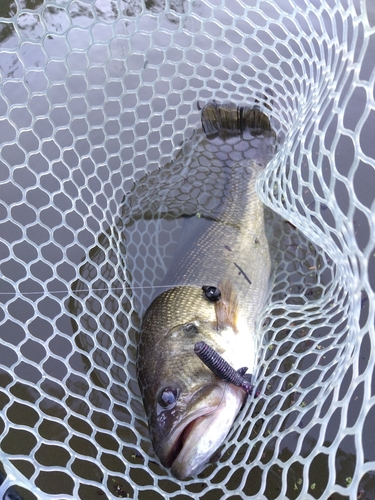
(176, 444)
(196, 438)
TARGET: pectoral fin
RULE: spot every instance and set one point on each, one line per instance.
(226, 308)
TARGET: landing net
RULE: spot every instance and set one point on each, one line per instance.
(94, 95)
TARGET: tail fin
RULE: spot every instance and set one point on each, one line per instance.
(228, 119)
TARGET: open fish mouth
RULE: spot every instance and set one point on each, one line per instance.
(196, 438)
(175, 443)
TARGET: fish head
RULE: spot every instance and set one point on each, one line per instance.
(190, 410)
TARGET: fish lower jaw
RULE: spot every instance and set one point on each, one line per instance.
(170, 451)
(202, 435)
(181, 468)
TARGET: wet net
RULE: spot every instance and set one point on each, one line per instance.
(96, 94)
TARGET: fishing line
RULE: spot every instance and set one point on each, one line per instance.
(77, 291)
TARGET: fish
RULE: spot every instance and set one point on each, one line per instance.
(213, 292)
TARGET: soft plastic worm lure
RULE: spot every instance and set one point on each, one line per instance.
(222, 369)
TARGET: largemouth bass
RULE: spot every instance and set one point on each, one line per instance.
(190, 410)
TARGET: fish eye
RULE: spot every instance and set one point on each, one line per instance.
(168, 397)
(211, 293)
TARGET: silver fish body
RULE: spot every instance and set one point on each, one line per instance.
(190, 410)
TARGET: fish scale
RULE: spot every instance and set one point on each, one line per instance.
(190, 410)
(235, 241)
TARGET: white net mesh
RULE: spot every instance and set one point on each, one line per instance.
(94, 94)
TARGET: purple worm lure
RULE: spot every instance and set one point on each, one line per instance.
(222, 369)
